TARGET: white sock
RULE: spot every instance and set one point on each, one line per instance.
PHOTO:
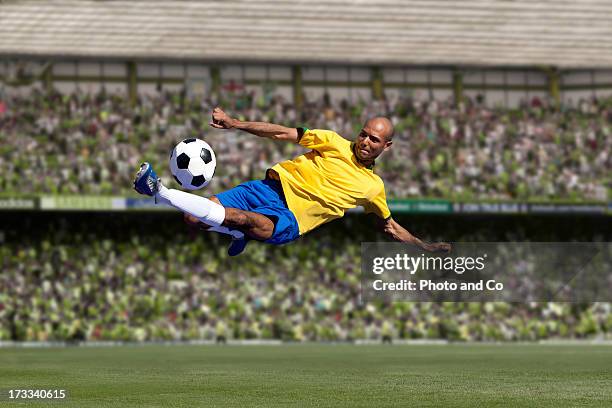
(202, 208)
(205, 210)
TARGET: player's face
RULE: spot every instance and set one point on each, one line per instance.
(370, 144)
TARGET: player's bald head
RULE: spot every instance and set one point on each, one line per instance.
(374, 139)
(381, 125)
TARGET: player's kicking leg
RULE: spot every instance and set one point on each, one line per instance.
(232, 221)
(253, 224)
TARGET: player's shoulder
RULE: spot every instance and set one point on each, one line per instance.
(323, 136)
(324, 132)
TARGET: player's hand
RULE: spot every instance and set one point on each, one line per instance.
(438, 247)
(221, 120)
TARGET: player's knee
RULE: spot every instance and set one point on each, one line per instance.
(261, 232)
(265, 228)
(268, 230)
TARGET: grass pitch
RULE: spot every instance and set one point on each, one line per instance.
(314, 375)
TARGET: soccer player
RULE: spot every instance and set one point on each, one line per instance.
(296, 195)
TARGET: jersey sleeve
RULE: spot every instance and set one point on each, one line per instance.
(378, 205)
(317, 139)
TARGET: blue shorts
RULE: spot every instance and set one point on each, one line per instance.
(264, 197)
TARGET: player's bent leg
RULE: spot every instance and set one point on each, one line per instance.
(255, 225)
(234, 233)
(209, 212)
(197, 222)
(258, 209)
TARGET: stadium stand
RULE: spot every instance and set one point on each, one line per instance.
(557, 33)
(104, 277)
(441, 149)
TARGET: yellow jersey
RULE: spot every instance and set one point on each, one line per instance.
(321, 185)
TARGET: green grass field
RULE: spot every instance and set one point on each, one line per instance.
(315, 375)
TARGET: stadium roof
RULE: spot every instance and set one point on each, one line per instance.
(563, 33)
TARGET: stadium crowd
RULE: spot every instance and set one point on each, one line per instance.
(92, 143)
(109, 278)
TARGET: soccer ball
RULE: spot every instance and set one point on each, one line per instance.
(192, 163)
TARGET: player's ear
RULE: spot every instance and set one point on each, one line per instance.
(388, 144)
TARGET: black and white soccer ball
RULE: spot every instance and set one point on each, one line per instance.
(192, 163)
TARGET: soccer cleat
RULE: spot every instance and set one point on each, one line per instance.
(146, 181)
(237, 246)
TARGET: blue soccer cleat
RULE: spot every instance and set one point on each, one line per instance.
(237, 246)
(146, 181)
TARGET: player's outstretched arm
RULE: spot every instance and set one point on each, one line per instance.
(222, 120)
(399, 233)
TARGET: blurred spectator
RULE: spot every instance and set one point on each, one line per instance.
(92, 144)
(120, 280)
